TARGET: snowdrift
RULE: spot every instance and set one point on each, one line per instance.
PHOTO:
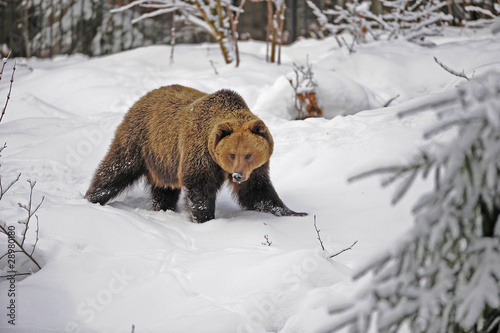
(107, 268)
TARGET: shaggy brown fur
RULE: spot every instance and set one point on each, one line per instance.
(181, 138)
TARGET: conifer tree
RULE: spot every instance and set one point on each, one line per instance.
(444, 275)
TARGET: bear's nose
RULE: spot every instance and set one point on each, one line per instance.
(237, 176)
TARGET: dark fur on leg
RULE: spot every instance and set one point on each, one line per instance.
(201, 205)
(201, 192)
(258, 193)
(165, 198)
(114, 174)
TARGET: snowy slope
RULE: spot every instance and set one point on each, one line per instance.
(108, 268)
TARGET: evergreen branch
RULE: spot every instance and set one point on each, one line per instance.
(446, 264)
(434, 101)
(376, 171)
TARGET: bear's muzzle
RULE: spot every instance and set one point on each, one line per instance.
(237, 177)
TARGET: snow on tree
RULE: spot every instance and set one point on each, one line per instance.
(444, 275)
(410, 20)
(414, 20)
(356, 18)
(485, 19)
(217, 17)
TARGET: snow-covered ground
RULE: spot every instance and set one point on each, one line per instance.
(107, 268)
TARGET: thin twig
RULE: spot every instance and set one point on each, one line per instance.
(173, 38)
(451, 70)
(29, 209)
(2, 191)
(3, 65)
(36, 233)
(347, 249)
(392, 99)
(10, 89)
(317, 232)
(213, 66)
(267, 242)
(14, 275)
(2, 228)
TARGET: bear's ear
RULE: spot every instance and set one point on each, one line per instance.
(223, 130)
(259, 128)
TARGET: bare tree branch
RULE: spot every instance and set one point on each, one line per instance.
(14, 275)
(321, 241)
(317, 232)
(451, 70)
(30, 210)
(346, 249)
(4, 230)
(4, 62)
(2, 190)
(10, 89)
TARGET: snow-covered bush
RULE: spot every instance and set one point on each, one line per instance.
(336, 95)
(356, 18)
(414, 20)
(444, 276)
(304, 86)
(409, 20)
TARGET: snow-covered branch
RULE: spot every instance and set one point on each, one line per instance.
(213, 16)
(451, 70)
(443, 275)
(401, 20)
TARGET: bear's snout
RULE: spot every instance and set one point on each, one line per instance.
(237, 177)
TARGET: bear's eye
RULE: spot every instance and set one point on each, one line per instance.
(248, 156)
(232, 156)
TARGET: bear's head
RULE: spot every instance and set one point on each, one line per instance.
(240, 148)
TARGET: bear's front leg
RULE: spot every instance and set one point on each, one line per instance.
(201, 205)
(258, 193)
(201, 191)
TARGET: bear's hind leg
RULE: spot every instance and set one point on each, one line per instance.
(113, 175)
(165, 198)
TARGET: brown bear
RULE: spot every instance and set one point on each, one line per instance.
(182, 138)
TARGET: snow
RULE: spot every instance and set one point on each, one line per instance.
(106, 268)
